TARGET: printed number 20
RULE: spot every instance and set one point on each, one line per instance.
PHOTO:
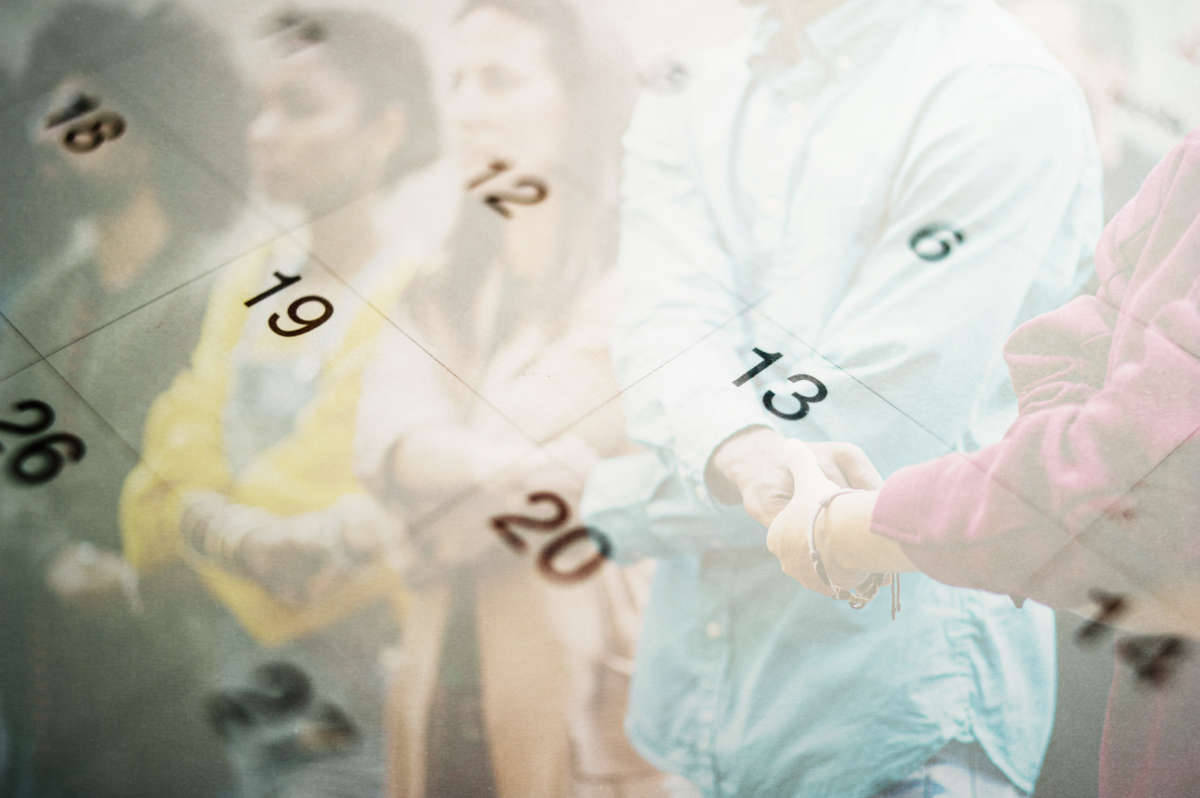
(502, 525)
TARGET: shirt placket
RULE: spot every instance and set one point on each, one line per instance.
(715, 642)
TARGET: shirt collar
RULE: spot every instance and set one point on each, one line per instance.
(840, 38)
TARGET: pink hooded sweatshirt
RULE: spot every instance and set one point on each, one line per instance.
(1097, 483)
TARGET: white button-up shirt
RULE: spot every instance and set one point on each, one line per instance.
(796, 179)
(880, 198)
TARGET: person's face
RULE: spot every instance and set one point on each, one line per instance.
(506, 102)
(309, 140)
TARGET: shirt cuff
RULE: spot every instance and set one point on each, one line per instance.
(702, 430)
(615, 500)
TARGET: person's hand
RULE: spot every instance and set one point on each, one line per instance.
(850, 551)
(278, 553)
(756, 463)
(284, 558)
(368, 534)
(305, 557)
(82, 574)
(787, 535)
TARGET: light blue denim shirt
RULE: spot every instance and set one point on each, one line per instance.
(779, 201)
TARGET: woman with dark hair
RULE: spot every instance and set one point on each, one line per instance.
(91, 236)
(555, 107)
(507, 684)
(329, 80)
(246, 473)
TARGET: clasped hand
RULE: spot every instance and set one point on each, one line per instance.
(782, 481)
(302, 558)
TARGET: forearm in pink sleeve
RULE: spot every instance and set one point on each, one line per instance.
(1051, 510)
(1059, 358)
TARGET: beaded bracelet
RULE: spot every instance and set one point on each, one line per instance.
(858, 597)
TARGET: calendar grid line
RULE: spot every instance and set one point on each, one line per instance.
(207, 273)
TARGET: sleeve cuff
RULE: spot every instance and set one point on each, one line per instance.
(703, 433)
(615, 501)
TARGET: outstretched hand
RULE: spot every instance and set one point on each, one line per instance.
(760, 464)
(787, 535)
(849, 550)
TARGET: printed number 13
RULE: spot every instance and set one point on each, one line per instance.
(769, 397)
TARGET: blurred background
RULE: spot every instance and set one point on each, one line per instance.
(1138, 63)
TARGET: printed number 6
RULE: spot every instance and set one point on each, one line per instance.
(305, 324)
(88, 135)
(943, 240)
(805, 401)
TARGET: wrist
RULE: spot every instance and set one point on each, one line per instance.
(829, 535)
(849, 542)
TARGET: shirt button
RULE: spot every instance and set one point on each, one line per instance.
(713, 630)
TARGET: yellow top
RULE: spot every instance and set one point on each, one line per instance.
(308, 470)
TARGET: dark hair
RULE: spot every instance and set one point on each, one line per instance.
(599, 109)
(387, 64)
(211, 81)
(599, 105)
(567, 43)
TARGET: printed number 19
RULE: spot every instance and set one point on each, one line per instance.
(293, 311)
